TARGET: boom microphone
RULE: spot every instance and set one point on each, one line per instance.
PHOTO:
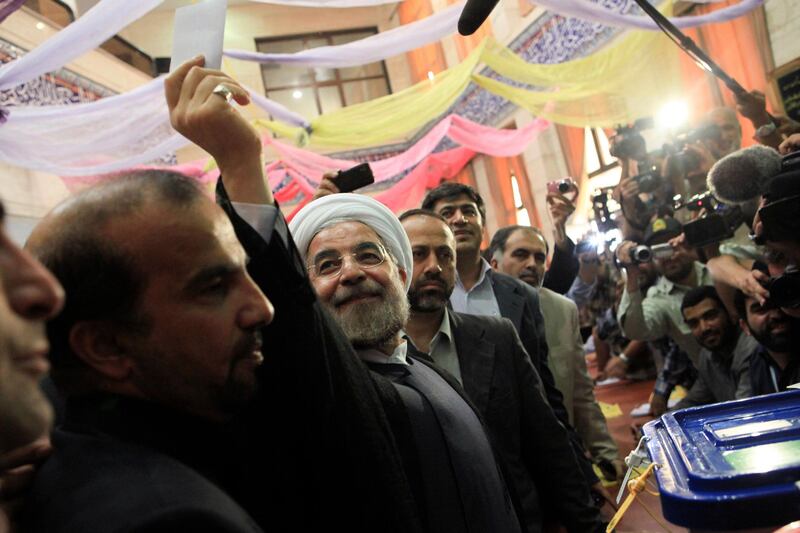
(474, 14)
(743, 175)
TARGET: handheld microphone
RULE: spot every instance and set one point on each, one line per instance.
(474, 14)
(743, 175)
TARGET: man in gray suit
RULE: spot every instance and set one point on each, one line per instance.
(521, 252)
(487, 358)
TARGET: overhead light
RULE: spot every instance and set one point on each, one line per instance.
(297, 95)
(673, 115)
(431, 75)
(40, 26)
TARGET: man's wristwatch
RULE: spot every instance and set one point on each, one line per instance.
(625, 359)
(765, 131)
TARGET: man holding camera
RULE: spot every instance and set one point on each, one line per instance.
(658, 314)
(775, 362)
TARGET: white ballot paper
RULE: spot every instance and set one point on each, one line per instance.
(199, 29)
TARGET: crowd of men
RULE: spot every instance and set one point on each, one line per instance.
(213, 368)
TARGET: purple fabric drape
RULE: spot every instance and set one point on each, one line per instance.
(102, 136)
(9, 6)
(96, 26)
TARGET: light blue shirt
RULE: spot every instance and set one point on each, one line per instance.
(480, 299)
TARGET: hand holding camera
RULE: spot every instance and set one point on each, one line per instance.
(561, 206)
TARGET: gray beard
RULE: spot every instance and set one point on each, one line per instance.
(372, 324)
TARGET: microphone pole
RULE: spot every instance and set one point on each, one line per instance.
(686, 44)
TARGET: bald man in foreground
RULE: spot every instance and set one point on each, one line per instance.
(206, 388)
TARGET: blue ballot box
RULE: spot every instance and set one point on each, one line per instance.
(731, 465)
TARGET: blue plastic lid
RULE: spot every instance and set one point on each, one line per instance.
(731, 465)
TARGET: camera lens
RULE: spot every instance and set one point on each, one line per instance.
(563, 186)
(641, 254)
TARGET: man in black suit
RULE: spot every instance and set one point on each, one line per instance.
(487, 358)
(480, 290)
(171, 422)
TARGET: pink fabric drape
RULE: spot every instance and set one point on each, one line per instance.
(476, 137)
(304, 168)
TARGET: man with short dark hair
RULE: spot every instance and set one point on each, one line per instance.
(130, 361)
(479, 290)
(520, 252)
(775, 362)
(723, 363)
(564, 267)
(486, 356)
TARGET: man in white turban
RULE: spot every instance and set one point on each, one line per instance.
(360, 264)
(355, 291)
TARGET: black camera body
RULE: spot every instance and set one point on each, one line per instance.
(650, 179)
(684, 161)
(628, 142)
(719, 222)
(602, 213)
(784, 290)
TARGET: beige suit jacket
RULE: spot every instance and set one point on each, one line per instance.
(568, 364)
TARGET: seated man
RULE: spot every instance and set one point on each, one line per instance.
(159, 348)
(486, 356)
(722, 369)
(360, 260)
(521, 252)
(29, 295)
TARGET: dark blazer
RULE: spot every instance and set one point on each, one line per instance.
(96, 482)
(519, 302)
(564, 267)
(500, 380)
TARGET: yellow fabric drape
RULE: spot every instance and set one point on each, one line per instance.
(622, 82)
(389, 117)
(617, 85)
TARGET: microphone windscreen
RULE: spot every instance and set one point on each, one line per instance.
(743, 175)
(474, 14)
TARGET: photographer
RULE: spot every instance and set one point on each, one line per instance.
(770, 131)
(691, 156)
(658, 313)
(775, 363)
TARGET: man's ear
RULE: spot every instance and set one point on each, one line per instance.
(494, 263)
(98, 344)
(745, 327)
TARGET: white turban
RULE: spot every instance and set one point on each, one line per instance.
(346, 207)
